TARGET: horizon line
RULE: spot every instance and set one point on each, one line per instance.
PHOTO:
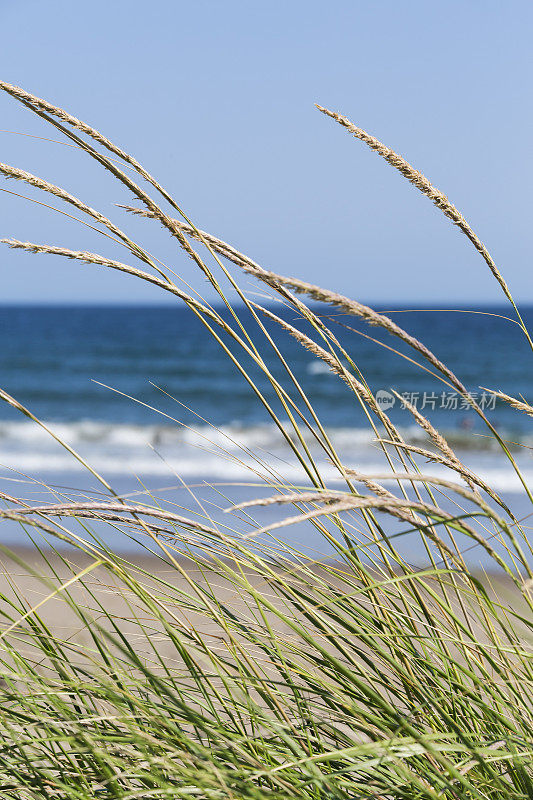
(418, 305)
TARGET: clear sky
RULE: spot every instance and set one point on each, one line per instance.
(216, 99)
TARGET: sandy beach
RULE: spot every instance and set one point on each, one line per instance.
(30, 581)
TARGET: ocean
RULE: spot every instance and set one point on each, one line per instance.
(149, 399)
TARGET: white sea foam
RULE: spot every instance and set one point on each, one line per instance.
(225, 453)
(317, 368)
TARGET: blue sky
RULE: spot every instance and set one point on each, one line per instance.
(216, 99)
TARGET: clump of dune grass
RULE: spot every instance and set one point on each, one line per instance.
(243, 667)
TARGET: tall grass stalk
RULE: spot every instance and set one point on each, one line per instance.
(239, 666)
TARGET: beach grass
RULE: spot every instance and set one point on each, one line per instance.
(223, 664)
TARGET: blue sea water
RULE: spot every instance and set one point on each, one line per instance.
(146, 393)
(51, 355)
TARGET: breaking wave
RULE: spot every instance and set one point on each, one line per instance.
(225, 453)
